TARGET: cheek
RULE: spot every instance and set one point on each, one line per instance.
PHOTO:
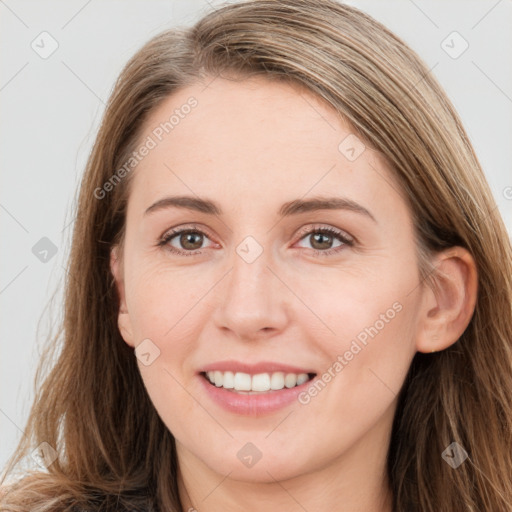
(362, 304)
(161, 299)
(366, 365)
(370, 344)
(167, 308)
(163, 310)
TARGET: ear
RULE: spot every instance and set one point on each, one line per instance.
(448, 304)
(123, 317)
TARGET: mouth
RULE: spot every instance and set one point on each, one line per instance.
(256, 384)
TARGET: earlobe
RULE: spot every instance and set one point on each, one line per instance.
(123, 317)
(449, 303)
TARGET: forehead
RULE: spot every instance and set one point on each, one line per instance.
(240, 116)
(254, 136)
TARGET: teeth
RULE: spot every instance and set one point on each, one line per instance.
(277, 380)
(242, 382)
(290, 380)
(301, 378)
(261, 382)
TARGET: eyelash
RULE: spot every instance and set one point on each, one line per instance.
(346, 241)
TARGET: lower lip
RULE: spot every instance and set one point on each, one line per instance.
(253, 404)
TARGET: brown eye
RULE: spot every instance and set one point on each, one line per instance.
(191, 240)
(184, 241)
(322, 240)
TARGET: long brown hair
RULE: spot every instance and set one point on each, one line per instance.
(91, 406)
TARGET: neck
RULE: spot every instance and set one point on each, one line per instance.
(286, 495)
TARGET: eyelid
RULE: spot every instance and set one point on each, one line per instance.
(307, 230)
(186, 227)
(343, 236)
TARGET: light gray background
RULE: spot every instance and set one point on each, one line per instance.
(51, 109)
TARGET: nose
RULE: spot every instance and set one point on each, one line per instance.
(253, 302)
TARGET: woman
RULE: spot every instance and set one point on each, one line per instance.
(212, 361)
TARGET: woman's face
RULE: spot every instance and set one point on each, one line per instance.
(258, 287)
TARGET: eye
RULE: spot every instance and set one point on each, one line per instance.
(322, 239)
(188, 241)
(185, 241)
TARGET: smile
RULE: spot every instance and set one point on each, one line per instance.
(260, 383)
(253, 395)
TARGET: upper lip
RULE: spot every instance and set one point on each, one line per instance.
(253, 369)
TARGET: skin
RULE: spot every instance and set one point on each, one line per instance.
(273, 143)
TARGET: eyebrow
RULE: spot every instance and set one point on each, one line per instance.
(290, 208)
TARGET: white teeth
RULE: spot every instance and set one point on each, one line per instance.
(228, 380)
(260, 382)
(242, 381)
(277, 380)
(290, 380)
